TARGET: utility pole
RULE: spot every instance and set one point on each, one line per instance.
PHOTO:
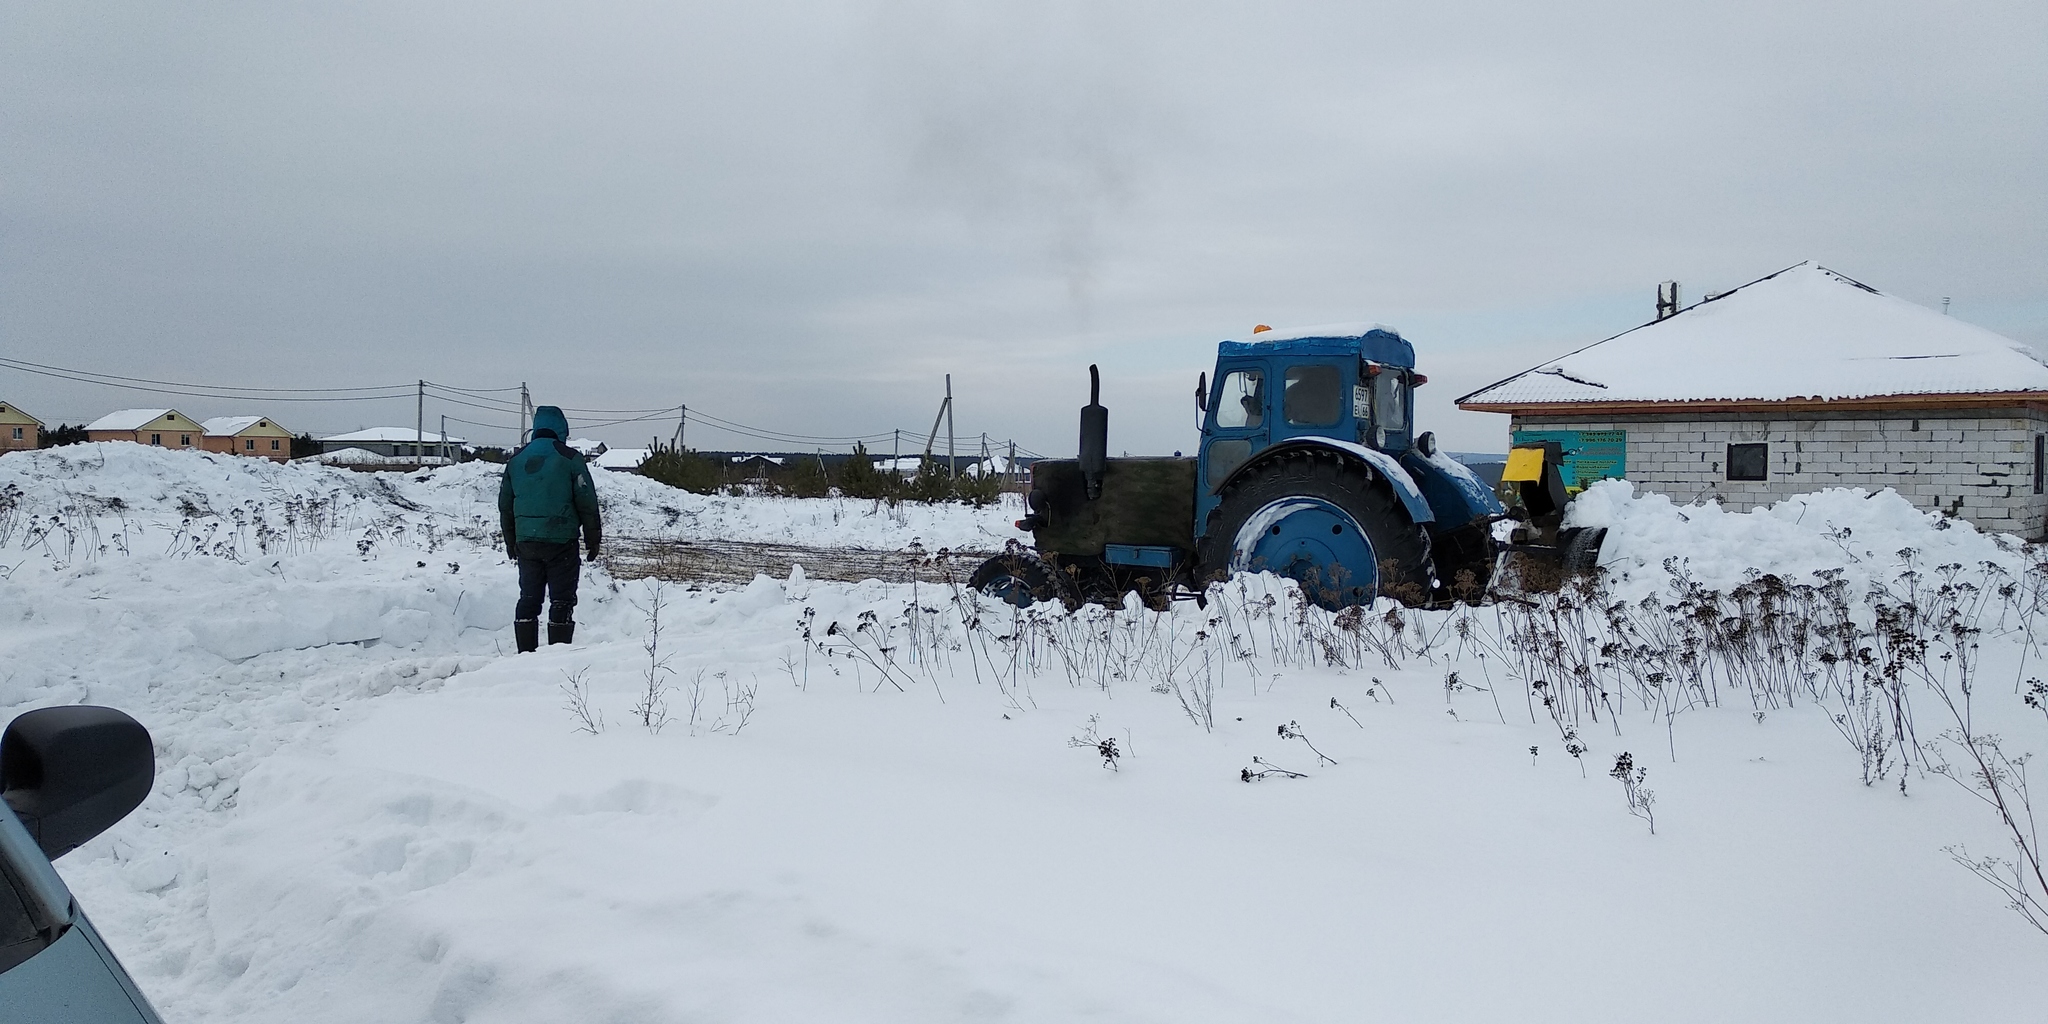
(945, 406)
(952, 463)
(1010, 466)
(419, 427)
(525, 414)
(444, 438)
(682, 420)
(896, 452)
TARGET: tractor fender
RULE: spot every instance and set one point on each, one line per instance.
(1456, 493)
(1382, 463)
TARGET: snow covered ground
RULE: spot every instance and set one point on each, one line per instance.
(869, 803)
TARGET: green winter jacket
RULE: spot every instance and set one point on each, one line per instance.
(546, 494)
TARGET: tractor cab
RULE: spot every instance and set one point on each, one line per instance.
(1308, 466)
(1350, 383)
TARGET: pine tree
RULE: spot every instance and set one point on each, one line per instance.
(858, 477)
(676, 468)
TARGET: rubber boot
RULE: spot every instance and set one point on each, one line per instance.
(561, 632)
(526, 633)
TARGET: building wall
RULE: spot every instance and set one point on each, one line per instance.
(239, 445)
(13, 421)
(174, 428)
(262, 435)
(398, 450)
(1977, 465)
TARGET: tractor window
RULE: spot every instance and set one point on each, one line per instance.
(1241, 400)
(1314, 396)
(1389, 402)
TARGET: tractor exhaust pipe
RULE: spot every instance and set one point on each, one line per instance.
(1094, 435)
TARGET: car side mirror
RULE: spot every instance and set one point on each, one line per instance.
(71, 772)
(1202, 391)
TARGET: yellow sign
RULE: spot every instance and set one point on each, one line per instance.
(1523, 464)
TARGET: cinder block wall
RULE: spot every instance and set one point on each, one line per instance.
(1978, 466)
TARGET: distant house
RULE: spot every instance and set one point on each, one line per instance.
(256, 436)
(17, 429)
(754, 468)
(1801, 380)
(163, 428)
(398, 444)
(621, 460)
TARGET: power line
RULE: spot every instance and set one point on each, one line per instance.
(492, 426)
(764, 431)
(88, 375)
(474, 391)
(188, 391)
(662, 413)
(472, 398)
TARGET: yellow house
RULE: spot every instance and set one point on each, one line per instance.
(256, 436)
(17, 429)
(164, 428)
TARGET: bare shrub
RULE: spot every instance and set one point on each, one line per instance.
(576, 701)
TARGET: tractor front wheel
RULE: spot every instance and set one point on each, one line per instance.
(1021, 578)
(1326, 521)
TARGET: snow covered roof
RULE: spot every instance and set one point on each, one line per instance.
(1803, 333)
(587, 446)
(388, 435)
(620, 458)
(126, 419)
(229, 426)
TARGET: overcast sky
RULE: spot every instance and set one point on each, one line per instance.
(802, 215)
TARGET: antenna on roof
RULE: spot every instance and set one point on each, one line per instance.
(1667, 299)
(1944, 305)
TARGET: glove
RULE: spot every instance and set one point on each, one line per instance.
(512, 550)
(592, 548)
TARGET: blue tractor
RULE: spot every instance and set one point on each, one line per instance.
(1309, 467)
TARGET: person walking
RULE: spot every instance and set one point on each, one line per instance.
(544, 500)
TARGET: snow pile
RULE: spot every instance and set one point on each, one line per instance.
(864, 808)
(112, 494)
(1870, 536)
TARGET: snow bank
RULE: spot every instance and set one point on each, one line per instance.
(109, 494)
(366, 810)
(1870, 536)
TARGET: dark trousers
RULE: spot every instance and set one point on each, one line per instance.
(550, 571)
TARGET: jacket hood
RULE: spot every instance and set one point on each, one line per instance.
(550, 419)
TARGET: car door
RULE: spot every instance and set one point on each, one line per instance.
(54, 967)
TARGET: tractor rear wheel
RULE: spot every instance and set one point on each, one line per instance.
(1328, 522)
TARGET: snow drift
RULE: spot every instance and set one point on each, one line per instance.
(883, 802)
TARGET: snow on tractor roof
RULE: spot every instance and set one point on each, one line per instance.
(1346, 330)
(1803, 333)
(1377, 342)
